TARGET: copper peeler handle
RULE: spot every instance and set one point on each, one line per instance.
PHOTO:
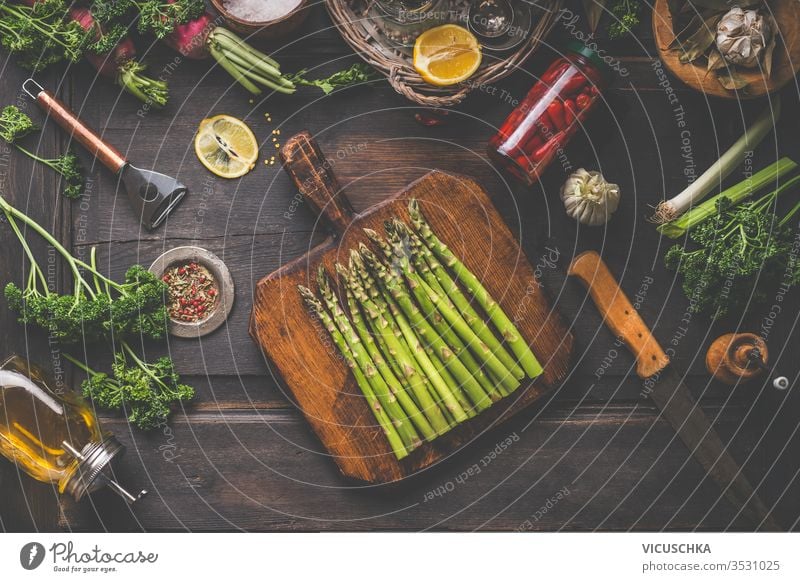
(63, 116)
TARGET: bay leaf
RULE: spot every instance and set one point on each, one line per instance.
(715, 60)
(686, 32)
(731, 80)
(770, 49)
(725, 4)
(698, 43)
(594, 10)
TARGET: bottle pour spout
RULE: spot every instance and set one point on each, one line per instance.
(91, 475)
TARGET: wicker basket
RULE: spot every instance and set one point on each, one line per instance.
(361, 34)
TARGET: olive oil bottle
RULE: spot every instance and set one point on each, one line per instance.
(54, 438)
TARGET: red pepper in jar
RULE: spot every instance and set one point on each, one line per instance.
(549, 114)
(570, 111)
(575, 85)
(555, 111)
(548, 149)
(555, 72)
(583, 101)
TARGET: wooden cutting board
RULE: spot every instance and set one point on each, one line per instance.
(462, 215)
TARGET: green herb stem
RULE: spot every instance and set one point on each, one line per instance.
(233, 70)
(231, 38)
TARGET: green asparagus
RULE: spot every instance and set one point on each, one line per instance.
(390, 334)
(395, 442)
(504, 325)
(383, 392)
(442, 281)
(408, 405)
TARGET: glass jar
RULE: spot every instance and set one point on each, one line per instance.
(54, 438)
(402, 21)
(550, 114)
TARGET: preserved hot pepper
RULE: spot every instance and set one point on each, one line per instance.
(550, 114)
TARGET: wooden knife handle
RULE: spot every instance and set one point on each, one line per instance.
(63, 116)
(313, 175)
(618, 313)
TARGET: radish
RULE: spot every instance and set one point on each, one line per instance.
(118, 61)
(186, 27)
(113, 54)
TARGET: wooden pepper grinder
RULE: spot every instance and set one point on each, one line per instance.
(736, 357)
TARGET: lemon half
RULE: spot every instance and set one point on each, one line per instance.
(446, 55)
(226, 146)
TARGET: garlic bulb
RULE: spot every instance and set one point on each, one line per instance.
(742, 36)
(588, 198)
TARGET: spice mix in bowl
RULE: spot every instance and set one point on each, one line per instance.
(200, 290)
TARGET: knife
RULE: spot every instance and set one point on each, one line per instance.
(669, 393)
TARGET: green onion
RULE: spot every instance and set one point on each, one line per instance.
(735, 194)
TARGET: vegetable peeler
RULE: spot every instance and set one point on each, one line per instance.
(153, 195)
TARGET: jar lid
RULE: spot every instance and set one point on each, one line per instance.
(577, 47)
(92, 472)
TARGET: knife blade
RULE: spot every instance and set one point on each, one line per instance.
(669, 393)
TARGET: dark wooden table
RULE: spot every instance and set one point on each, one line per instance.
(593, 455)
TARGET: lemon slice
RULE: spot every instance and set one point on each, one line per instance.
(226, 146)
(446, 55)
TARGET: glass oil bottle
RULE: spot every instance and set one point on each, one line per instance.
(54, 438)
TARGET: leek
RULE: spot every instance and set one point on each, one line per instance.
(735, 194)
(669, 210)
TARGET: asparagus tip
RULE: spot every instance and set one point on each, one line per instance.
(308, 296)
(342, 271)
(322, 280)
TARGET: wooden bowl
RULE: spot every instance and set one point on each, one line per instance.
(785, 64)
(267, 31)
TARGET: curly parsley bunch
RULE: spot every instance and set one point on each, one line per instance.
(147, 392)
(743, 253)
(14, 124)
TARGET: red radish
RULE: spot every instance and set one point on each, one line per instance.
(200, 38)
(106, 65)
(120, 65)
(191, 39)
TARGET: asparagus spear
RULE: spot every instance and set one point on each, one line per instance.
(489, 383)
(395, 442)
(364, 284)
(393, 256)
(396, 292)
(404, 358)
(383, 392)
(442, 281)
(506, 327)
(414, 414)
(451, 336)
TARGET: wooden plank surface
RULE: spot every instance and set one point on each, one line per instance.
(242, 457)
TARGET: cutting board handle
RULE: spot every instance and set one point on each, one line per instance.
(618, 313)
(313, 175)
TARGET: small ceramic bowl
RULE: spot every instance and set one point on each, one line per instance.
(220, 272)
(267, 31)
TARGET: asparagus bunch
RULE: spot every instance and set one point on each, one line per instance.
(424, 357)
